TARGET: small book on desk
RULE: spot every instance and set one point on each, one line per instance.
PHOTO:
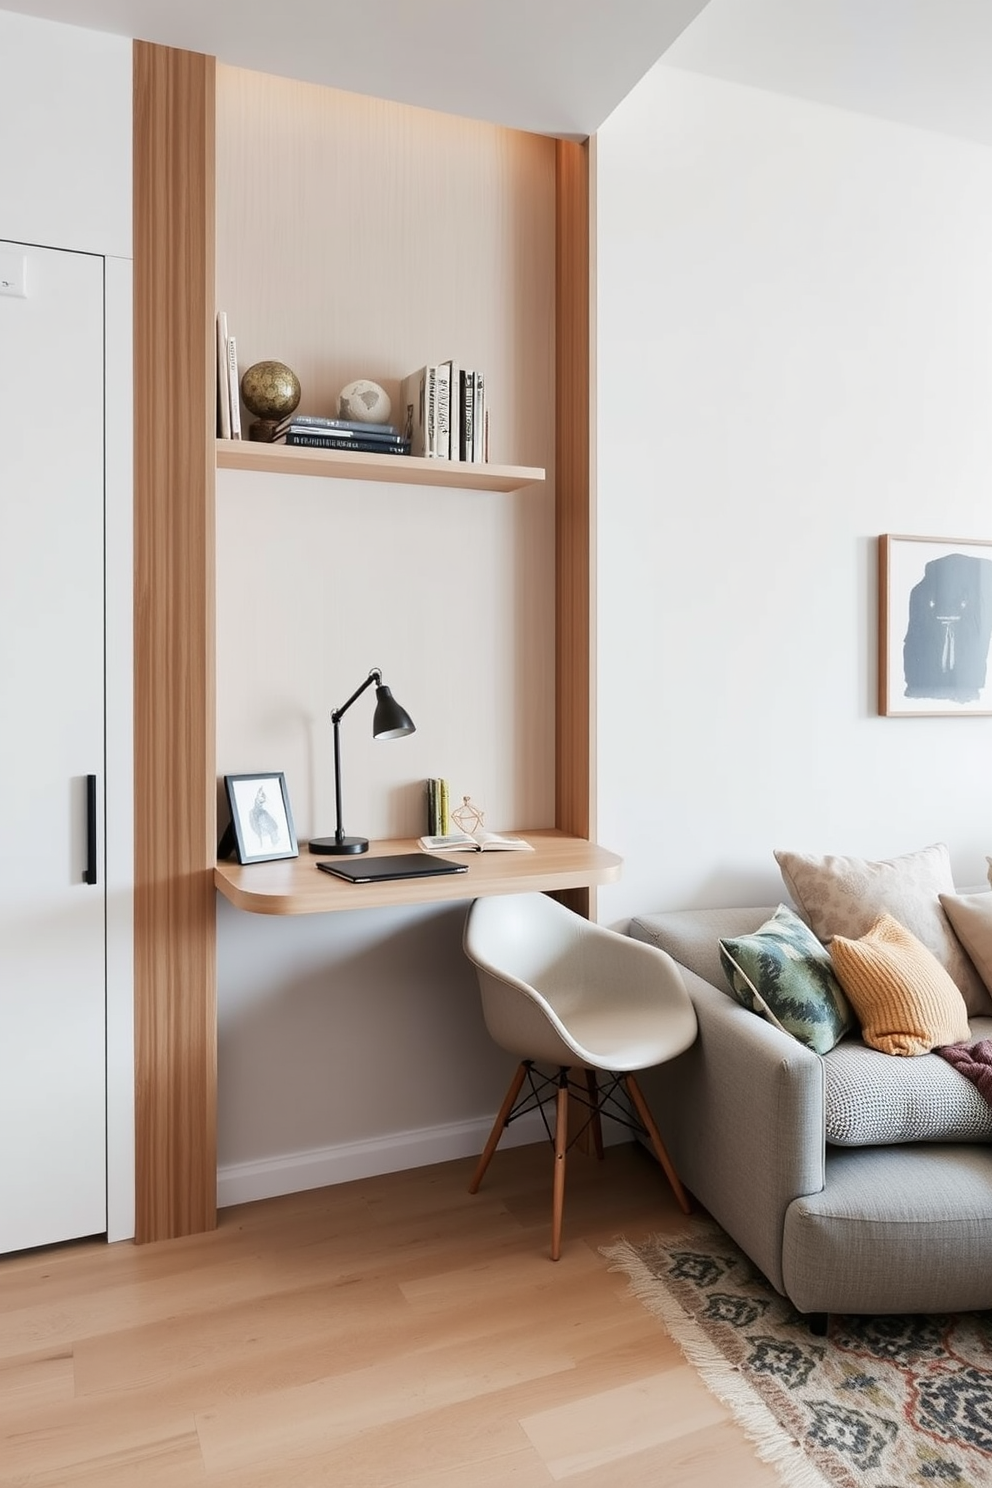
(479, 841)
(395, 865)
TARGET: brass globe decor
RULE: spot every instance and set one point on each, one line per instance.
(270, 390)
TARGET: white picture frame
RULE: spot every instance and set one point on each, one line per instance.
(934, 626)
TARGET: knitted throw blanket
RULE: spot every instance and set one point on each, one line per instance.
(974, 1061)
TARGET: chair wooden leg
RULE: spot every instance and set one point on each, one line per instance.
(499, 1126)
(592, 1087)
(561, 1147)
(650, 1126)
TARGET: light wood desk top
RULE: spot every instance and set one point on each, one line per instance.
(294, 885)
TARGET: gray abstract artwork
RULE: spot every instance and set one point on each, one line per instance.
(945, 652)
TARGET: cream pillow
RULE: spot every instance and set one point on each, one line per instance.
(845, 896)
(971, 919)
(905, 1000)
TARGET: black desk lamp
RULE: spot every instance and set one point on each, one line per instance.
(390, 721)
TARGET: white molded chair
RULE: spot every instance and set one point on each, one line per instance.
(562, 991)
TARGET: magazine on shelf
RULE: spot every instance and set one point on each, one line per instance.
(297, 433)
(480, 422)
(235, 386)
(413, 411)
(223, 383)
(339, 426)
(454, 410)
(442, 446)
(478, 841)
(467, 451)
(325, 439)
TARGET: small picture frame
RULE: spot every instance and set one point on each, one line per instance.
(934, 626)
(261, 827)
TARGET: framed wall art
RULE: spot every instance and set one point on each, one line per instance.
(934, 626)
(261, 820)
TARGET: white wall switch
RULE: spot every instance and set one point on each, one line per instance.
(14, 275)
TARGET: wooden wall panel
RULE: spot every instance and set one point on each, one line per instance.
(574, 703)
(175, 802)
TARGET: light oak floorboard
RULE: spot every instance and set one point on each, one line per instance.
(392, 1331)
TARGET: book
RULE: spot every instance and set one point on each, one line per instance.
(442, 411)
(479, 419)
(295, 431)
(413, 410)
(223, 385)
(454, 410)
(308, 439)
(353, 426)
(479, 841)
(468, 412)
(234, 386)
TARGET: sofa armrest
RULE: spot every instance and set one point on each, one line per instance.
(742, 1115)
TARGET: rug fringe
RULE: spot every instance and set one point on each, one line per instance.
(772, 1442)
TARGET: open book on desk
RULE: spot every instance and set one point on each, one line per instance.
(474, 842)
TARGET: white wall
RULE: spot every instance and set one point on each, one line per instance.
(795, 355)
(65, 182)
(348, 1044)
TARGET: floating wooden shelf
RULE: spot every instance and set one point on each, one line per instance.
(402, 470)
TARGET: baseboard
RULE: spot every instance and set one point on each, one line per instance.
(244, 1183)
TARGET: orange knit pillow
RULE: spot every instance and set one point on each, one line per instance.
(905, 1000)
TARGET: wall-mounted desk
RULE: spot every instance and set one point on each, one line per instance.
(294, 886)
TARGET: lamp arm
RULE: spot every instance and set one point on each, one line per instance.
(374, 676)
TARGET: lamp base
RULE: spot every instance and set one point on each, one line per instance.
(328, 847)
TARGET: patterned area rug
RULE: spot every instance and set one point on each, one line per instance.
(880, 1402)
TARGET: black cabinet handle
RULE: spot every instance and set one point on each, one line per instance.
(90, 875)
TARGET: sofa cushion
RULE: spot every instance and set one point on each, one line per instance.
(904, 1000)
(874, 1100)
(844, 896)
(971, 920)
(692, 936)
(895, 1230)
(782, 972)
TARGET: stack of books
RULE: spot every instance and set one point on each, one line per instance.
(444, 413)
(438, 812)
(314, 432)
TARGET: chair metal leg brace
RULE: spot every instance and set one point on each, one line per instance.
(592, 1089)
(513, 1106)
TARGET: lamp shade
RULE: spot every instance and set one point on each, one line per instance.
(390, 720)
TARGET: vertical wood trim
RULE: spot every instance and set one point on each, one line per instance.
(174, 775)
(574, 716)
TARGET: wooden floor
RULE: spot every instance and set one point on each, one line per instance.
(389, 1331)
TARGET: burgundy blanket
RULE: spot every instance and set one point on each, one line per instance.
(974, 1061)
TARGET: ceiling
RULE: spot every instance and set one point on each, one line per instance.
(551, 66)
(925, 63)
(561, 66)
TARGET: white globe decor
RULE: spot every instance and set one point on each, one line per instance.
(365, 402)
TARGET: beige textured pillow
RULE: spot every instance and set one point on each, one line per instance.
(845, 896)
(904, 999)
(971, 919)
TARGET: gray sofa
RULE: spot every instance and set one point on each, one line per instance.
(881, 1218)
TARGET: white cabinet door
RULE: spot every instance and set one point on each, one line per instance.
(52, 922)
